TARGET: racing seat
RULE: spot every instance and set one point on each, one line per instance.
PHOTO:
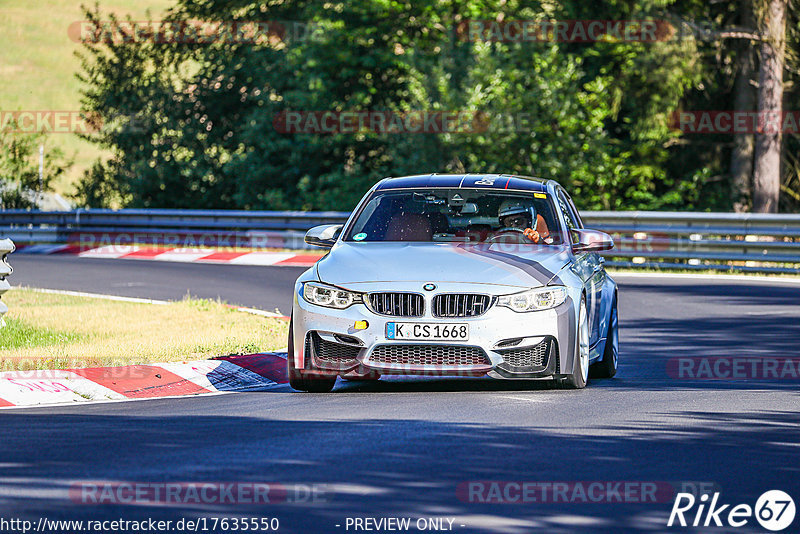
(409, 227)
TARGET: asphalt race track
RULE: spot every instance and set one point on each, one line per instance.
(409, 448)
(254, 286)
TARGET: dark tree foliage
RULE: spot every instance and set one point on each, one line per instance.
(198, 125)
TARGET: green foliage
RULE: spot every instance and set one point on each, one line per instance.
(19, 167)
(194, 125)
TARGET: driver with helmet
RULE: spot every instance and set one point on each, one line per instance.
(519, 214)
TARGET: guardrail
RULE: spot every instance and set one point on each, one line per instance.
(721, 241)
(189, 228)
(6, 248)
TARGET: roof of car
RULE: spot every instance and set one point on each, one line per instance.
(491, 181)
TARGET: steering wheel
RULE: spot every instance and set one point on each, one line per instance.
(510, 235)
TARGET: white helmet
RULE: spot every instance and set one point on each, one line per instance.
(515, 206)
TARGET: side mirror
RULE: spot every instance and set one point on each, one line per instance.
(324, 235)
(591, 241)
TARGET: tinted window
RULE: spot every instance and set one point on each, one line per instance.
(568, 216)
(453, 215)
(575, 214)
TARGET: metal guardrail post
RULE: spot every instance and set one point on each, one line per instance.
(6, 248)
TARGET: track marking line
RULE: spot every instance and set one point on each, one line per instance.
(93, 295)
(523, 399)
(253, 311)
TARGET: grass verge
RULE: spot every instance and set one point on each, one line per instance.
(47, 331)
(38, 63)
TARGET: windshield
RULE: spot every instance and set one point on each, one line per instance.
(457, 215)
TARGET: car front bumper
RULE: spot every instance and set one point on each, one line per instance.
(502, 343)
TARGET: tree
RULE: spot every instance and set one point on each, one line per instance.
(767, 168)
(19, 167)
(592, 115)
(741, 165)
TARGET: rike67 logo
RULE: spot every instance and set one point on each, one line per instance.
(774, 510)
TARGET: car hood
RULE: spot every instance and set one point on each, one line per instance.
(353, 264)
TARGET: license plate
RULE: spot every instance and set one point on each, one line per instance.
(428, 331)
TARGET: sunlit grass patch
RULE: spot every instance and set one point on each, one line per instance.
(18, 334)
(51, 331)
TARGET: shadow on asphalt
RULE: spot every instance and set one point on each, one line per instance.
(393, 467)
(657, 325)
(444, 384)
(622, 383)
(702, 320)
(718, 292)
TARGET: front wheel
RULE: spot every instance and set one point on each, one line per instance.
(305, 381)
(580, 367)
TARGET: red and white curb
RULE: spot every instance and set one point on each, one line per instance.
(250, 372)
(182, 255)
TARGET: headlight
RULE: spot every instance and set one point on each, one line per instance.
(535, 299)
(329, 296)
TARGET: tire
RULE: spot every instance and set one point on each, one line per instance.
(301, 381)
(580, 367)
(607, 367)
